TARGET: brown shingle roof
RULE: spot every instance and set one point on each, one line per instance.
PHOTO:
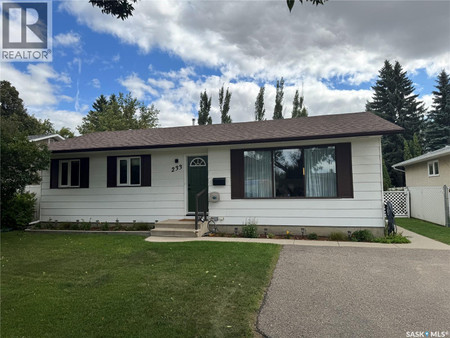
(315, 127)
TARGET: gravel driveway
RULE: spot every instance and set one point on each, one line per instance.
(357, 292)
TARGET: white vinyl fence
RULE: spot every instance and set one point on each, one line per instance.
(399, 200)
(430, 204)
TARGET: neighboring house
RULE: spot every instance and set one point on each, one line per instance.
(36, 188)
(321, 173)
(428, 181)
(45, 139)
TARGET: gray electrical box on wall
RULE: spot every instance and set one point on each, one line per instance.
(214, 197)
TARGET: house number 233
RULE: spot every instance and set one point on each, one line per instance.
(177, 167)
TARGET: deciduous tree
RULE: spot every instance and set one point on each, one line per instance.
(298, 110)
(205, 107)
(21, 160)
(260, 111)
(278, 110)
(224, 105)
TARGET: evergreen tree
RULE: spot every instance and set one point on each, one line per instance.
(406, 151)
(121, 112)
(260, 111)
(395, 101)
(205, 107)
(224, 105)
(298, 110)
(415, 147)
(278, 110)
(437, 132)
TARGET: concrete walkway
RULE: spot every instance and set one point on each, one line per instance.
(417, 242)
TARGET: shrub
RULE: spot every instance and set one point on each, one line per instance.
(141, 227)
(362, 236)
(392, 238)
(338, 236)
(249, 230)
(19, 211)
(270, 235)
(312, 235)
(105, 226)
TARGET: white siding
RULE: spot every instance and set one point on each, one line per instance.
(167, 197)
(364, 210)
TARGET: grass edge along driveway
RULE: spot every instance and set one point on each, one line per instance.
(427, 229)
(117, 286)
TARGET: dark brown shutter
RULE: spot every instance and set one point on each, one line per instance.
(146, 170)
(111, 171)
(344, 170)
(54, 174)
(84, 172)
(237, 173)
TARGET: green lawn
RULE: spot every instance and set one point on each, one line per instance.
(431, 230)
(122, 286)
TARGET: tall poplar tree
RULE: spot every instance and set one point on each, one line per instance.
(260, 111)
(278, 110)
(395, 101)
(298, 110)
(437, 132)
(224, 105)
(205, 107)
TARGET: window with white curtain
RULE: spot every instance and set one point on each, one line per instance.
(320, 172)
(258, 173)
(291, 172)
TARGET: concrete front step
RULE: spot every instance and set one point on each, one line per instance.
(176, 224)
(171, 232)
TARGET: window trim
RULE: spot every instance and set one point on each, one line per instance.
(128, 159)
(69, 173)
(433, 166)
(302, 148)
(344, 171)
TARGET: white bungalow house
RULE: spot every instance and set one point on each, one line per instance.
(428, 182)
(320, 173)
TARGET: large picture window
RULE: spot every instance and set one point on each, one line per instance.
(292, 172)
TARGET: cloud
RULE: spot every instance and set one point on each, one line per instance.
(179, 103)
(69, 39)
(59, 118)
(38, 85)
(95, 83)
(264, 41)
(137, 86)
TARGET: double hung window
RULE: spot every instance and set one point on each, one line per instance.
(69, 173)
(433, 168)
(129, 171)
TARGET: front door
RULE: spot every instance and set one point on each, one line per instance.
(197, 180)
